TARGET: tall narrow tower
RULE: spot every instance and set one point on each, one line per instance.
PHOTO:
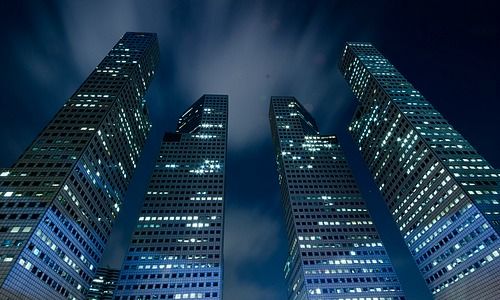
(442, 194)
(59, 200)
(334, 249)
(176, 249)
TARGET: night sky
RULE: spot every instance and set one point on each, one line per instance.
(251, 50)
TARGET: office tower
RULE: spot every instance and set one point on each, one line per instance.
(442, 194)
(104, 284)
(334, 248)
(59, 200)
(176, 249)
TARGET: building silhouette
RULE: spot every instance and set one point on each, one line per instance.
(443, 195)
(59, 200)
(334, 249)
(104, 284)
(176, 251)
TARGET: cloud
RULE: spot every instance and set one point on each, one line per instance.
(92, 29)
(244, 51)
(250, 235)
(251, 239)
(253, 63)
(249, 52)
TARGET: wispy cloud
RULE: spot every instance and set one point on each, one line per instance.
(248, 52)
(251, 238)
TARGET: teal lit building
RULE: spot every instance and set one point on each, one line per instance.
(443, 195)
(334, 250)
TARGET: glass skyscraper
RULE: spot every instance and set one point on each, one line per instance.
(442, 194)
(176, 251)
(334, 249)
(104, 284)
(59, 200)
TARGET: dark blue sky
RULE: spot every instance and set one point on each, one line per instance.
(250, 51)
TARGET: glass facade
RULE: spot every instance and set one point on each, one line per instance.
(104, 284)
(59, 200)
(334, 249)
(442, 194)
(176, 250)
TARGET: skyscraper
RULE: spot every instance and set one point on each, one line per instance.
(104, 284)
(334, 248)
(59, 200)
(176, 250)
(442, 194)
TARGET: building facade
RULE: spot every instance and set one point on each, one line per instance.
(442, 194)
(59, 200)
(176, 251)
(334, 249)
(104, 284)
